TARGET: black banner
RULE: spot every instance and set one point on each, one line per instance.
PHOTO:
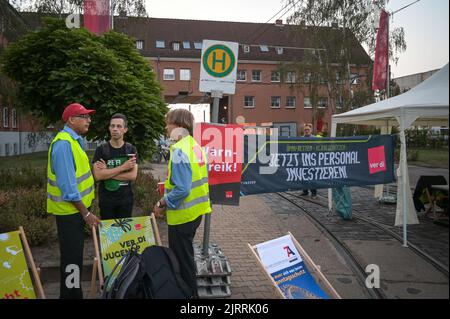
(302, 163)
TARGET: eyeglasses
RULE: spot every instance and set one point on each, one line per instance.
(84, 116)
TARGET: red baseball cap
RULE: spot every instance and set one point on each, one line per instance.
(75, 109)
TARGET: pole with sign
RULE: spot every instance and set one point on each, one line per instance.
(217, 76)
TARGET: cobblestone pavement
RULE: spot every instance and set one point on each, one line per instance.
(263, 217)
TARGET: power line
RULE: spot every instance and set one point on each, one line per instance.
(404, 7)
(266, 26)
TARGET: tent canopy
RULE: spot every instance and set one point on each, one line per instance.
(425, 104)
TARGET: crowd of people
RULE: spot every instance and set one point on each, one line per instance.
(71, 188)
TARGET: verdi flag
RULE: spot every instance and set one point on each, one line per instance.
(96, 16)
(380, 65)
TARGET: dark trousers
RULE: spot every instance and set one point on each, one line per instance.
(71, 245)
(114, 209)
(313, 191)
(181, 238)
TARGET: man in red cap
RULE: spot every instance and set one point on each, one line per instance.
(70, 192)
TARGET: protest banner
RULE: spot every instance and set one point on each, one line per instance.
(290, 269)
(312, 163)
(223, 146)
(15, 280)
(118, 236)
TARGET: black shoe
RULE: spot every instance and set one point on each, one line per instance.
(304, 194)
(313, 194)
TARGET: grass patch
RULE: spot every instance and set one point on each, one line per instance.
(430, 157)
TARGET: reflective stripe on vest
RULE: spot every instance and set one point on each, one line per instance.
(85, 181)
(197, 203)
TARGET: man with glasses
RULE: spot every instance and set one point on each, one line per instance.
(115, 166)
(70, 192)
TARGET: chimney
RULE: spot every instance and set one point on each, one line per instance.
(279, 22)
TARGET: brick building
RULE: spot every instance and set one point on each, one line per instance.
(263, 95)
(20, 132)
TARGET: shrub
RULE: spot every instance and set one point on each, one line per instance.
(27, 208)
(145, 192)
(24, 177)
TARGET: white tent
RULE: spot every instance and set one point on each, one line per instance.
(425, 104)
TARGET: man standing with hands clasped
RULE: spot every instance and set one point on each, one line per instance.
(70, 192)
(115, 166)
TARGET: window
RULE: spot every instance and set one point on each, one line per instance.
(307, 77)
(307, 103)
(322, 103)
(160, 44)
(186, 45)
(275, 102)
(264, 48)
(185, 74)
(246, 48)
(169, 74)
(7, 149)
(291, 102)
(5, 117)
(279, 50)
(198, 45)
(249, 101)
(256, 76)
(354, 78)
(338, 78)
(323, 79)
(16, 149)
(339, 102)
(242, 75)
(14, 118)
(139, 44)
(290, 78)
(275, 77)
(176, 46)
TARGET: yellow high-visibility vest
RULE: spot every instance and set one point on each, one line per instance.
(85, 182)
(197, 202)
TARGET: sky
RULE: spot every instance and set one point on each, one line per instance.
(426, 24)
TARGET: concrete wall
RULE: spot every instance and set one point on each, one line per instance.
(16, 143)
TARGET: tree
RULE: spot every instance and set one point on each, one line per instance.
(129, 7)
(335, 30)
(56, 66)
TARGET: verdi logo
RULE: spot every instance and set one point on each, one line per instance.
(219, 61)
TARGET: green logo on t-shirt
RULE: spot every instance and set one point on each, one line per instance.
(114, 184)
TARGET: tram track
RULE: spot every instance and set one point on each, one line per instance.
(356, 266)
(381, 226)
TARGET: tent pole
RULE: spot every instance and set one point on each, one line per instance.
(330, 195)
(403, 177)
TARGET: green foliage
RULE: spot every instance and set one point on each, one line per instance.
(145, 192)
(27, 207)
(56, 66)
(25, 177)
(336, 30)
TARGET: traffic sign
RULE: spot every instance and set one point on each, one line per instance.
(218, 66)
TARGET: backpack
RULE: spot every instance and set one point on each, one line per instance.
(342, 200)
(155, 274)
(106, 151)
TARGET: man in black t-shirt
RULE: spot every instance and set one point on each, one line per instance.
(115, 166)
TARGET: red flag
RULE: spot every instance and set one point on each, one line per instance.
(96, 15)
(380, 65)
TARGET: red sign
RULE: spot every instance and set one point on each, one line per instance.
(380, 65)
(223, 146)
(96, 16)
(377, 159)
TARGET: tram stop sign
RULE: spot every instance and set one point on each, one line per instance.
(218, 66)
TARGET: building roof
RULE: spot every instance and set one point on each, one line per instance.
(292, 38)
